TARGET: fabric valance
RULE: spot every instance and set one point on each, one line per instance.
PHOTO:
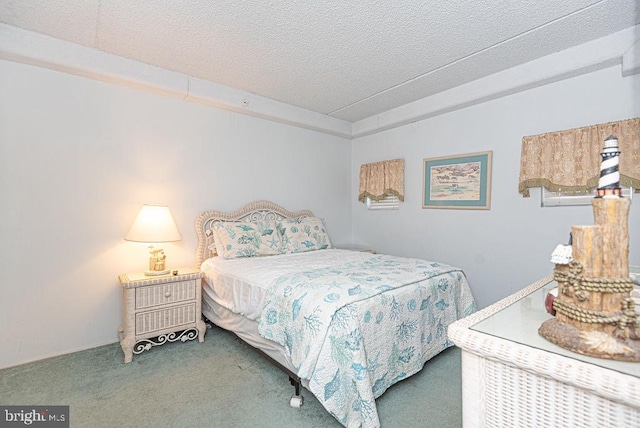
(570, 160)
(381, 179)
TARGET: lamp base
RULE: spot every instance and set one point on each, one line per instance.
(156, 272)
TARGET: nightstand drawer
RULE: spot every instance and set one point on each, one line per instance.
(147, 322)
(161, 294)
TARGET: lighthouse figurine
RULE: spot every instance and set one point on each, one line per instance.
(595, 314)
(609, 182)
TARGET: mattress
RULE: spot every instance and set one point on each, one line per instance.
(241, 284)
(233, 292)
(247, 330)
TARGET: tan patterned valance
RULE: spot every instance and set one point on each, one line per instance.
(379, 179)
(570, 160)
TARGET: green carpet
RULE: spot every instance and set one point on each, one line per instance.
(219, 383)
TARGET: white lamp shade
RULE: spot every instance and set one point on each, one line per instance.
(154, 223)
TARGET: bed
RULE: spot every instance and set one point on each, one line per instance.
(345, 324)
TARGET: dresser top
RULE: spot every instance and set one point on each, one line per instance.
(519, 323)
(139, 279)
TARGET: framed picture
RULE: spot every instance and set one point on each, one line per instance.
(457, 182)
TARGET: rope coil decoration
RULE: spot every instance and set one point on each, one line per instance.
(573, 278)
(607, 285)
(585, 315)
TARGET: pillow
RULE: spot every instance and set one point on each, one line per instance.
(303, 234)
(217, 245)
(246, 239)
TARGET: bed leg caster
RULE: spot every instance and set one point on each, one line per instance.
(296, 401)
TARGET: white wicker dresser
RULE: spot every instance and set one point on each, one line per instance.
(512, 377)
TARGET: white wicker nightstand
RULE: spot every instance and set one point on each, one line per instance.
(157, 307)
(513, 377)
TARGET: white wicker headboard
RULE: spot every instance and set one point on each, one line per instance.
(255, 211)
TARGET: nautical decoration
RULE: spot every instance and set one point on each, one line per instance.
(594, 312)
(551, 297)
(563, 254)
(609, 182)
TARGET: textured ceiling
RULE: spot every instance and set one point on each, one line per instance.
(346, 59)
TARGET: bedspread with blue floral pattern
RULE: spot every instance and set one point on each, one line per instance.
(356, 329)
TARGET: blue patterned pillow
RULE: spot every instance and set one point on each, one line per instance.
(246, 239)
(303, 234)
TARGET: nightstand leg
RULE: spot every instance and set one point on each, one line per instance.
(127, 347)
(202, 329)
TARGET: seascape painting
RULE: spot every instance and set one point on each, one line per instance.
(459, 182)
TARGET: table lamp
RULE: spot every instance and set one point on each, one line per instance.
(154, 224)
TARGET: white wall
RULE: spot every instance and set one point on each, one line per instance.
(507, 247)
(79, 157)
